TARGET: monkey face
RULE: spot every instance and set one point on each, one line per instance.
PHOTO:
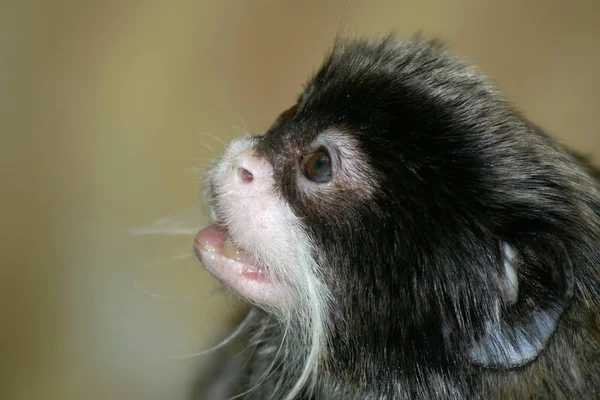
(345, 192)
(266, 191)
(399, 212)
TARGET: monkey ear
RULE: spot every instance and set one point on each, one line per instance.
(538, 288)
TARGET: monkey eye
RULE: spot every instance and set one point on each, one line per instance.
(317, 167)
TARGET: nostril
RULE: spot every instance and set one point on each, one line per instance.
(245, 175)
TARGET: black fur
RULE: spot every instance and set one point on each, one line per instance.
(415, 270)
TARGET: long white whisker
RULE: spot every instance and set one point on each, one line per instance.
(236, 332)
(214, 137)
(207, 146)
(255, 343)
(161, 231)
(267, 373)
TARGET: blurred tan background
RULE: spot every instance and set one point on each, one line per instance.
(109, 113)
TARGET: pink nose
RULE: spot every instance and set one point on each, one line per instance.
(245, 175)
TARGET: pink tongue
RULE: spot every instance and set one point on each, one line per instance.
(215, 238)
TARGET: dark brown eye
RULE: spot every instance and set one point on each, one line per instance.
(317, 167)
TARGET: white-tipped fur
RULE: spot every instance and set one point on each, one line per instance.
(511, 286)
(263, 224)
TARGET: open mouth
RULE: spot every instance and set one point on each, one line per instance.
(232, 265)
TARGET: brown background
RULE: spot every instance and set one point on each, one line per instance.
(109, 112)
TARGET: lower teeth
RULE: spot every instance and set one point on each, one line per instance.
(230, 250)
